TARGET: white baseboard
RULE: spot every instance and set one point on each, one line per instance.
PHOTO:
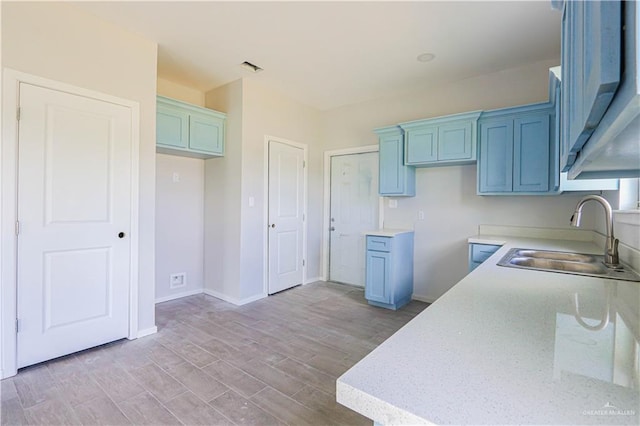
(234, 300)
(423, 298)
(179, 295)
(147, 331)
(312, 280)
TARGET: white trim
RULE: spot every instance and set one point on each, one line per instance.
(327, 200)
(147, 332)
(629, 217)
(233, 300)
(134, 232)
(9, 185)
(312, 280)
(265, 238)
(179, 295)
(423, 298)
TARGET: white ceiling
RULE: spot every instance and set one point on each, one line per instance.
(328, 54)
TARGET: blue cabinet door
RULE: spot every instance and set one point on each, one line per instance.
(172, 126)
(377, 277)
(591, 68)
(495, 168)
(478, 253)
(455, 141)
(531, 154)
(206, 133)
(395, 179)
(422, 145)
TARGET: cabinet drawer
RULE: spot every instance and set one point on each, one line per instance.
(379, 243)
(481, 252)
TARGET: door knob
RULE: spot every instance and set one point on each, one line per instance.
(121, 235)
(273, 225)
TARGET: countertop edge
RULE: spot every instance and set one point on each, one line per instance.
(387, 232)
(374, 408)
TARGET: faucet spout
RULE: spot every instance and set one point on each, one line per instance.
(611, 259)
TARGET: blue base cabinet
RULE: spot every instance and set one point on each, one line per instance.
(395, 179)
(389, 270)
(188, 130)
(478, 253)
(518, 151)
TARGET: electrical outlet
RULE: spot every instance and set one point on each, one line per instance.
(178, 280)
(420, 214)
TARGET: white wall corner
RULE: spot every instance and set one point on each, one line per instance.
(420, 298)
(312, 280)
(147, 332)
(234, 300)
(179, 295)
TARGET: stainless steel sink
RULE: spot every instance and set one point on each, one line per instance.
(556, 255)
(566, 263)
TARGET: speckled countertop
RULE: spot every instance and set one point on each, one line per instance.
(387, 232)
(506, 346)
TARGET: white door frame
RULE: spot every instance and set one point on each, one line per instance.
(326, 215)
(8, 210)
(265, 235)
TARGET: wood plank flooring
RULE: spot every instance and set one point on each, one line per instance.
(271, 362)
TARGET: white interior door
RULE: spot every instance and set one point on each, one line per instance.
(286, 209)
(74, 213)
(354, 210)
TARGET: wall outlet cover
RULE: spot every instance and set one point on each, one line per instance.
(178, 280)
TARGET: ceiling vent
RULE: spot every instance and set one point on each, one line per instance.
(250, 67)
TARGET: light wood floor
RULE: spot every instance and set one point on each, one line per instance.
(274, 361)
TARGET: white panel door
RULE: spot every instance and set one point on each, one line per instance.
(74, 211)
(286, 208)
(354, 210)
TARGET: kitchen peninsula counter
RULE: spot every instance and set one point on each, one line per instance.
(506, 346)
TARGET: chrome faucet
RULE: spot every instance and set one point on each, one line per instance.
(611, 246)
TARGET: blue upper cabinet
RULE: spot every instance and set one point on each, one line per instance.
(422, 145)
(172, 126)
(188, 130)
(396, 179)
(591, 57)
(600, 107)
(495, 168)
(441, 141)
(206, 133)
(516, 151)
(531, 153)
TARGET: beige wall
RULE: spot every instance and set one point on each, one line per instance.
(447, 195)
(179, 210)
(270, 113)
(178, 91)
(59, 42)
(223, 198)
(179, 224)
(234, 243)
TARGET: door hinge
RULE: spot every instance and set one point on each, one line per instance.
(17, 325)
(303, 217)
(18, 113)
(17, 227)
(303, 262)
(304, 164)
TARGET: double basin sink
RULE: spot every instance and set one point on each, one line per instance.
(566, 263)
